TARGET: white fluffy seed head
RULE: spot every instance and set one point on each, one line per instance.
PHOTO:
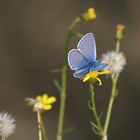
(115, 60)
(7, 125)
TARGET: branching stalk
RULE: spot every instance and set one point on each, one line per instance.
(112, 97)
(95, 114)
(64, 80)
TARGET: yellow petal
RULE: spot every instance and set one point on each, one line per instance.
(98, 79)
(90, 75)
(44, 98)
(51, 100)
(87, 77)
(39, 98)
(47, 107)
(104, 72)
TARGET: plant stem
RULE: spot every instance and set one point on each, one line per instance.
(68, 38)
(64, 81)
(104, 137)
(62, 104)
(94, 107)
(39, 125)
(110, 105)
(112, 97)
(43, 130)
(118, 43)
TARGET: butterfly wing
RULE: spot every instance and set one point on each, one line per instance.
(80, 59)
(76, 59)
(81, 72)
(87, 47)
(98, 66)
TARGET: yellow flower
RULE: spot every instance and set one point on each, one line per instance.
(119, 31)
(45, 102)
(94, 75)
(120, 28)
(89, 14)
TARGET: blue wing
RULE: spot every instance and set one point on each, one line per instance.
(87, 47)
(81, 72)
(98, 66)
(76, 59)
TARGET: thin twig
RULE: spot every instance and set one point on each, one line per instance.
(39, 125)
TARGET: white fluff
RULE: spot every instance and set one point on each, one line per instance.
(115, 60)
(7, 125)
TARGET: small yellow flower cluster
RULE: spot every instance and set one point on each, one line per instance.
(46, 101)
(90, 14)
(41, 103)
(94, 75)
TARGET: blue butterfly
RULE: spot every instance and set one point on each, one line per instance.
(83, 59)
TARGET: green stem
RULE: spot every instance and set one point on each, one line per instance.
(74, 23)
(104, 137)
(118, 43)
(39, 125)
(62, 104)
(64, 81)
(68, 38)
(110, 105)
(112, 97)
(79, 35)
(43, 130)
(94, 107)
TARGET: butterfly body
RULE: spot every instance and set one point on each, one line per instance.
(83, 59)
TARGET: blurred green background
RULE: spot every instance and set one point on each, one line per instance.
(32, 35)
